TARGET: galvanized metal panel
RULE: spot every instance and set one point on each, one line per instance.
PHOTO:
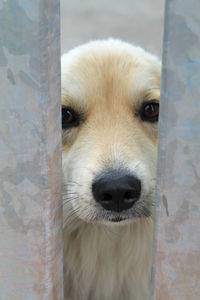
(30, 151)
(177, 261)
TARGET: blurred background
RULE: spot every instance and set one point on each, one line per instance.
(138, 22)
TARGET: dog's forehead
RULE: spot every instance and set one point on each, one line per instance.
(96, 74)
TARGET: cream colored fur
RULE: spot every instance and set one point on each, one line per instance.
(107, 81)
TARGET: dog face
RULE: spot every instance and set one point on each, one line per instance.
(110, 103)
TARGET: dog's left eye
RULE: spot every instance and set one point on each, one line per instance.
(150, 112)
(69, 118)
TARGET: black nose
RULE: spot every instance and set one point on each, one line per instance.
(116, 192)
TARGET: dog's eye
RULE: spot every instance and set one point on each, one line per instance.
(69, 118)
(150, 112)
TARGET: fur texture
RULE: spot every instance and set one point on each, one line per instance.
(107, 83)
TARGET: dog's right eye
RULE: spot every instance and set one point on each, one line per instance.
(69, 118)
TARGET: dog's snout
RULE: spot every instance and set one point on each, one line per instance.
(116, 192)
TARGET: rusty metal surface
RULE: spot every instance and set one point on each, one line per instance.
(30, 151)
(177, 261)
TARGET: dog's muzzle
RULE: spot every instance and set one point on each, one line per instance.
(116, 191)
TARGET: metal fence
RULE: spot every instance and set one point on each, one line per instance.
(30, 151)
(30, 154)
(177, 259)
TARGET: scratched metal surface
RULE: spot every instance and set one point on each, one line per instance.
(177, 261)
(30, 202)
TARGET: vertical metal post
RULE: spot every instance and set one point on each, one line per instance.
(177, 259)
(30, 151)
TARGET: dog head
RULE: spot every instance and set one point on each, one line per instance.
(110, 105)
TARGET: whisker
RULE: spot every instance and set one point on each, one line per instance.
(67, 221)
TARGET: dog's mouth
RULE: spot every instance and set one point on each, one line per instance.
(142, 210)
(114, 218)
(117, 219)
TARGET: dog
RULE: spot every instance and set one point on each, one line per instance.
(110, 110)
